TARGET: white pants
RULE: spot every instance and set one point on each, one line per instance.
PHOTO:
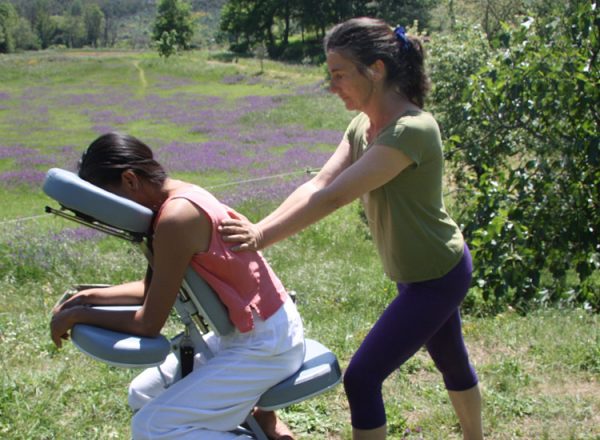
(220, 393)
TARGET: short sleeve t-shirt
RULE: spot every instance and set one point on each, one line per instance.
(416, 238)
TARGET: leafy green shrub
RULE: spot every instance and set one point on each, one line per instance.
(526, 163)
(453, 60)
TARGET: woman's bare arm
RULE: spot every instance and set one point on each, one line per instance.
(123, 294)
(337, 163)
(181, 232)
(375, 168)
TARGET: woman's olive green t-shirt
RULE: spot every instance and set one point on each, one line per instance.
(416, 238)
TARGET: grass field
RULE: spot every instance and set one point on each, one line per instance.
(248, 136)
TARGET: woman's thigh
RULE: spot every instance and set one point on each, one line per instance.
(155, 380)
(217, 396)
(404, 327)
(418, 312)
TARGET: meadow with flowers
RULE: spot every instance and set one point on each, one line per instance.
(249, 135)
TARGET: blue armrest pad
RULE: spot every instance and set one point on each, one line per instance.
(76, 194)
(120, 349)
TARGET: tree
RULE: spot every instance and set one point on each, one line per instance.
(490, 14)
(113, 10)
(93, 19)
(74, 26)
(74, 31)
(76, 9)
(8, 24)
(25, 38)
(249, 20)
(527, 162)
(252, 22)
(43, 23)
(405, 12)
(167, 45)
(173, 28)
(286, 8)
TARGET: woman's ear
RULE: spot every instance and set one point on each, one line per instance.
(378, 70)
(129, 180)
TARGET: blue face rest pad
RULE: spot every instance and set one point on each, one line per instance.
(74, 193)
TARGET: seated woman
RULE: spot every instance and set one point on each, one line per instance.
(268, 344)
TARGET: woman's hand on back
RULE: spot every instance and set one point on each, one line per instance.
(242, 231)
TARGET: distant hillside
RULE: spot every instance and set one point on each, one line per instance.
(39, 24)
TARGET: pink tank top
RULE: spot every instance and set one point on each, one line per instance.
(244, 281)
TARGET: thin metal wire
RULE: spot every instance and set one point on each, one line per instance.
(258, 179)
(22, 219)
(307, 171)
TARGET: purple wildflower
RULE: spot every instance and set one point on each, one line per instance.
(233, 79)
(26, 177)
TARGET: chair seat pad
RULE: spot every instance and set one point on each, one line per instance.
(319, 372)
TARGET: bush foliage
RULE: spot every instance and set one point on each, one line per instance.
(521, 121)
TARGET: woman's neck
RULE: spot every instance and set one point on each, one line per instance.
(169, 188)
(389, 107)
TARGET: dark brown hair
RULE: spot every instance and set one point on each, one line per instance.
(108, 156)
(365, 40)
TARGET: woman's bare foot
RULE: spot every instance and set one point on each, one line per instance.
(273, 427)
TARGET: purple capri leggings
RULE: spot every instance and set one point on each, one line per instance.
(423, 313)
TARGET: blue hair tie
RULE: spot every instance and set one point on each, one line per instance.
(402, 38)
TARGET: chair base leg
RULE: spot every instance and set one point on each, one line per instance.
(255, 428)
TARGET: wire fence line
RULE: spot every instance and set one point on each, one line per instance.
(307, 171)
(23, 219)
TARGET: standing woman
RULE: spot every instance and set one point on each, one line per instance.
(390, 157)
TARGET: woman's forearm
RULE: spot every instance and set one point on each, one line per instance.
(374, 169)
(309, 206)
(123, 294)
(119, 321)
(300, 195)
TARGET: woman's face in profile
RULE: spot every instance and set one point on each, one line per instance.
(354, 88)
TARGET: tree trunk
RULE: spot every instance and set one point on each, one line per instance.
(286, 30)
(451, 13)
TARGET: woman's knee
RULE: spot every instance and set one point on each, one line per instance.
(460, 379)
(136, 398)
(151, 423)
(458, 373)
(149, 384)
(357, 380)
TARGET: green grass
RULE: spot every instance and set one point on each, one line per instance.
(312, 112)
(540, 373)
(20, 203)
